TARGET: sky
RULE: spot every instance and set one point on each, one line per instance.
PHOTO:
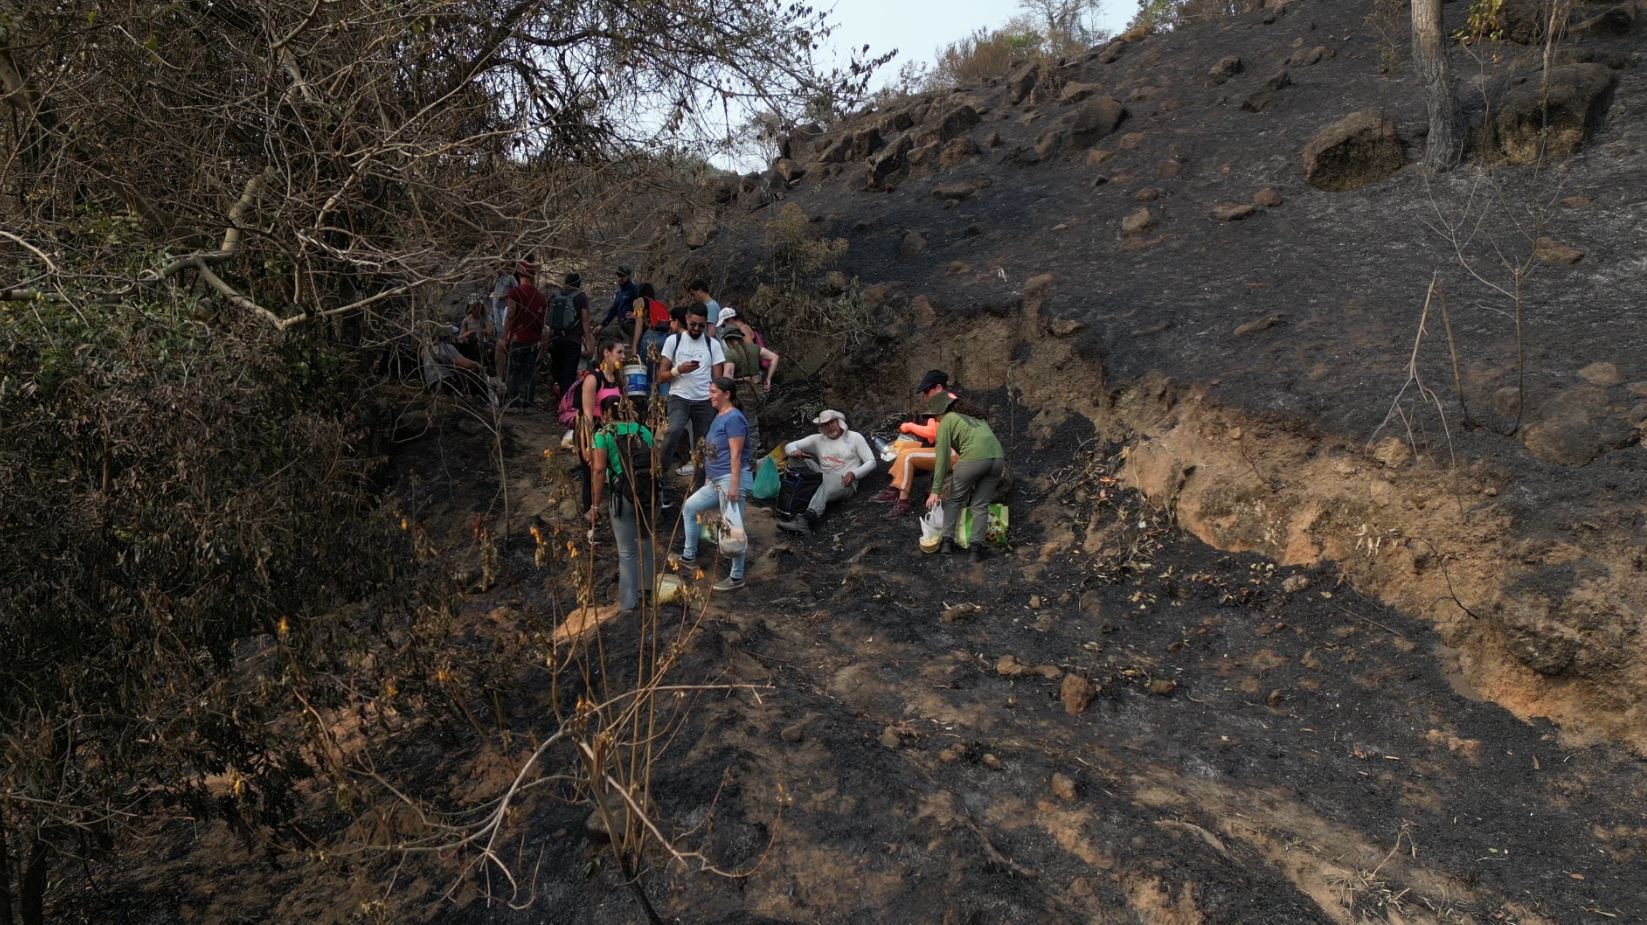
(918, 28)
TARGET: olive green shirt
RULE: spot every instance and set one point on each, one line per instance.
(967, 437)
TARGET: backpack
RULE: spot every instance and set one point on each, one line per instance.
(563, 312)
(635, 483)
(567, 412)
(657, 313)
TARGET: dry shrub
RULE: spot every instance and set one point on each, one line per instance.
(797, 301)
(985, 55)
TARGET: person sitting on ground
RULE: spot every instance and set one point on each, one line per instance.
(689, 362)
(446, 369)
(981, 460)
(621, 473)
(475, 331)
(728, 479)
(743, 363)
(840, 455)
(914, 454)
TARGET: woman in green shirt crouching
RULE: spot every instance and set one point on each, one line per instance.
(978, 467)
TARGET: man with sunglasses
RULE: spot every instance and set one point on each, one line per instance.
(688, 362)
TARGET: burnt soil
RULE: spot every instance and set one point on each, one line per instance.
(1308, 762)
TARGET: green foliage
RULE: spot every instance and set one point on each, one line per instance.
(1486, 21)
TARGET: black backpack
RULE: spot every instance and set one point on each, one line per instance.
(563, 312)
(635, 483)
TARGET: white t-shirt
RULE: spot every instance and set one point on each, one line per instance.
(849, 451)
(500, 301)
(681, 349)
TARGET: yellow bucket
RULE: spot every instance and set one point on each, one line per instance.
(669, 589)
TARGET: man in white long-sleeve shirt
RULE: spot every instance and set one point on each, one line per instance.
(841, 456)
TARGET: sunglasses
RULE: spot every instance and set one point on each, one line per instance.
(696, 325)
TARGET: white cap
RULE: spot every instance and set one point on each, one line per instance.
(728, 312)
(828, 416)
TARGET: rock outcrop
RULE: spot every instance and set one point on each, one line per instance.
(1357, 150)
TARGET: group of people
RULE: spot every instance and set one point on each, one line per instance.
(712, 372)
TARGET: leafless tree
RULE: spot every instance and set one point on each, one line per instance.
(186, 188)
(1444, 146)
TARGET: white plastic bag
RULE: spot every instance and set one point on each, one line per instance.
(733, 540)
(932, 528)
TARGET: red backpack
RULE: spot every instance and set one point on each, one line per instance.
(657, 313)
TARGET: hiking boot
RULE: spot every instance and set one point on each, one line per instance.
(796, 525)
(900, 508)
(886, 496)
(976, 552)
(686, 561)
(728, 584)
(945, 545)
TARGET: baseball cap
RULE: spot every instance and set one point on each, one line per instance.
(726, 313)
(933, 377)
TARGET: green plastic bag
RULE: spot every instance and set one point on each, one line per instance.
(994, 535)
(767, 483)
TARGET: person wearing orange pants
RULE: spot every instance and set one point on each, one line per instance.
(914, 455)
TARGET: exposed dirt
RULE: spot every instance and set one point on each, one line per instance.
(1293, 325)
(1248, 662)
(1249, 754)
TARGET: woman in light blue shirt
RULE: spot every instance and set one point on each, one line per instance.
(727, 479)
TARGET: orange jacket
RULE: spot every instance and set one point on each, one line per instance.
(927, 431)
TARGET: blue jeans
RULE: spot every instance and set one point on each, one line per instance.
(635, 564)
(707, 499)
(653, 340)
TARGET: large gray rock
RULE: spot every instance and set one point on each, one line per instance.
(890, 161)
(1023, 82)
(1551, 116)
(1223, 69)
(1357, 150)
(1094, 120)
(956, 121)
(1576, 426)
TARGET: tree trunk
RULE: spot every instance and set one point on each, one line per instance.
(1445, 146)
(32, 903)
(5, 874)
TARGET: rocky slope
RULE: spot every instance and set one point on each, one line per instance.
(1213, 245)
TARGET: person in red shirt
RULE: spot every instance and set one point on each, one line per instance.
(522, 333)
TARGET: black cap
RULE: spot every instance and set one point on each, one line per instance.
(574, 280)
(933, 377)
(624, 272)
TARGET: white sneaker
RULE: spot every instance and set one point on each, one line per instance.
(566, 441)
(685, 470)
